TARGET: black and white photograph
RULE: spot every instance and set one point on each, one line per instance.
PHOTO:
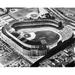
(37, 37)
